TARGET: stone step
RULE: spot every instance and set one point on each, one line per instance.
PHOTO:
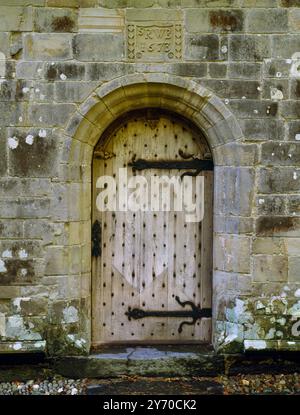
(143, 361)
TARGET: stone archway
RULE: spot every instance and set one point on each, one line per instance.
(109, 102)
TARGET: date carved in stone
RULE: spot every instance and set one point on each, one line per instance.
(162, 42)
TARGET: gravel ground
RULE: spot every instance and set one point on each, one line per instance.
(284, 384)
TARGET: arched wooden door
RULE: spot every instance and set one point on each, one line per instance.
(150, 260)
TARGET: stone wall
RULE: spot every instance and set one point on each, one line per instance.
(59, 59)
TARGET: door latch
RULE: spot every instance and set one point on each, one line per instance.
(96, 239)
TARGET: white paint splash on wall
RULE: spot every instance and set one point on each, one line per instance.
(7, 253)
(276, 94)
(70, 314)
(23, 254)
(13, 142)
(2, 266)
(297, 137)
(42, 133)
(29, 139)
(17, 346)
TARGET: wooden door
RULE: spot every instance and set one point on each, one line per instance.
(148, 258)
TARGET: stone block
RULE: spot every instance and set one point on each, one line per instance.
(278, 153)
(295, 89)
(289, 3)
(262, 129)
(294, 266)
(29, 70)
(16, 19)
(107, 71)
(275, 89)
(294, 20)
(204, 20)
(136, 14)
(232, 253)
(55, 20)
(217, 70)
(268, 246)
(4, 45)
(62, 71)
(279, 226)
(293, 130)
(259, 3)
(267, 21)
(50, 115)
(35, 153)
(253, 108)
(43, 46)
(3, 152)
(270, 205)
(249, 47)
(7, 292)
(232, 89)
(290, 109)
(201, 47)
(285, 46)
(233, 224)
(73, 91)
(94, 47)
(12, 186)
(278, 180)
(24, 208)
(235, 154)
(239, 184)
(11, 229)
(293, 205)
(270, 268)
(245, 70)
(276, 68)
(71, 3)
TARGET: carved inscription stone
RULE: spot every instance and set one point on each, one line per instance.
(154, 42)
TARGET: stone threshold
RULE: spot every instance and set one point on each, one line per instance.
(173, 361)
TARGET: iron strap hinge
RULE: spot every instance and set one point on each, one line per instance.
(196, 313)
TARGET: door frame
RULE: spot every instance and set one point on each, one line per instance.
(108, 102)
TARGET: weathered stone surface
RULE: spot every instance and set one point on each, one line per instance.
(290, 109)
(201, 47)
(16, 19)
(42, 46)
(91, 47)
(293, 130)
(285, 46)
(234, 88)
(270, 205)
(249, 47)
(238, 183)
(278, 226)
(48, 115)
(266, 21)
(276, 89)
(293, 205)
(262, 129)
(36, 154)
(254, 108)
(286, 154)
(203, 20)
(225, 260)
(106, 71)
(244, 70)
(270, 268)
(278, 180)
(55, 20)
(276, 68)
(217, 70)
(73, 91)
